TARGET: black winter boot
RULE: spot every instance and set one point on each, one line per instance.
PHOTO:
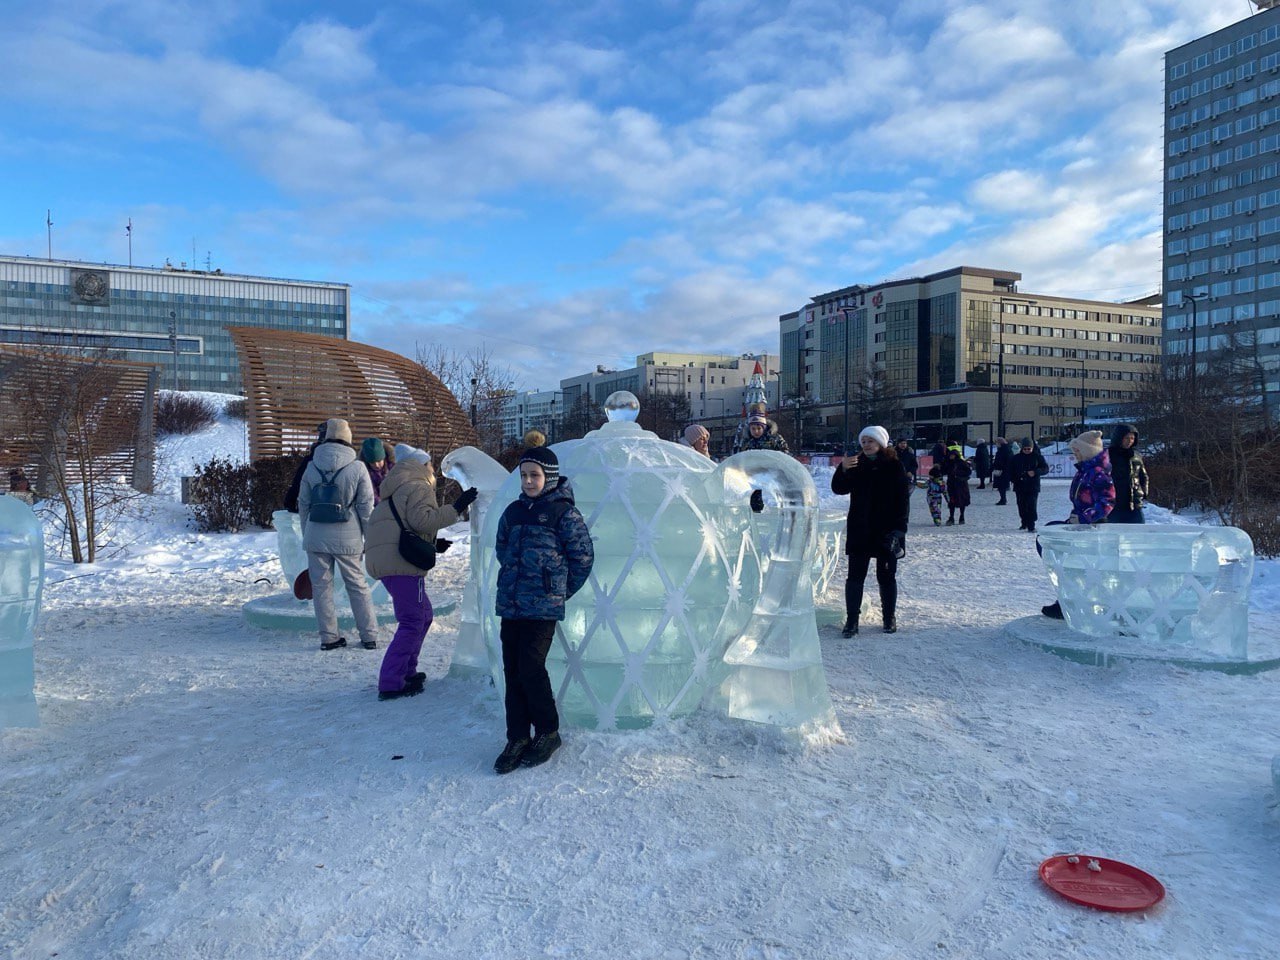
(1053, 611)
(850, 629)
(890, 625)
(540, 751)
(511, 756)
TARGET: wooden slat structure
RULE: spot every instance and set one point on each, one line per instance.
(109, 405)
(294, 381)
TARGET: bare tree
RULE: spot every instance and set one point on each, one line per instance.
(78, 418)
(481, 385)
(664, 412)
(583, 416)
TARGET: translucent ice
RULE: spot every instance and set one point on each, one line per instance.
(687, 604)
(21, 583)
(293, 560)
(1164, 583)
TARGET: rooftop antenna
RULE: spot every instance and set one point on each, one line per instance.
(128, 232)
(48, 222)
(208, 261)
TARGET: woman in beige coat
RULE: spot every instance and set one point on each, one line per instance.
(409, 490)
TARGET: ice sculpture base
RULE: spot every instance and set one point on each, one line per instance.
(282, 611)
(1054, 636)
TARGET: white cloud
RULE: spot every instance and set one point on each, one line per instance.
(326, 54)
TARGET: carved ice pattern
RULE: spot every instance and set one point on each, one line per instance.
(21, 586)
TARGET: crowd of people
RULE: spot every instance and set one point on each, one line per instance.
(380, 506)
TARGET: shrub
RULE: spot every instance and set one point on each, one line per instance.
(270, 481)
(237, 409)
(182, 413)
(225, 499)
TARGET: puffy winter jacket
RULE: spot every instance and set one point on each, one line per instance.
(338, 461)
(879, 502)
(545, 555)
(771, 439)
(1093, 495)
(1127, 471)
(1021, 464)
(407, 486)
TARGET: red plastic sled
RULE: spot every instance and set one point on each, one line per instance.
(1112, 886)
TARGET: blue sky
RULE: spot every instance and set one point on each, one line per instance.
(567, 184)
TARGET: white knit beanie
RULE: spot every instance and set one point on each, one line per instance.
(1088, 445)
(405, 452)
(879, 434)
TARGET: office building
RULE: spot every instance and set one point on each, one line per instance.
(1222, 194)
(926, 352)
(175, 318)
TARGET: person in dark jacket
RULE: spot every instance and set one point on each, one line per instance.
(1026, 467)
(1129, 475)
(762, 434)
(957, 471)
(544, 555)
(982, 463)
(374, 456)
(1000, 475)
(879, 508)
(291, 495)
(938, 451)
(907, 457)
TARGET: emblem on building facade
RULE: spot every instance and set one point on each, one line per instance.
(90, 286)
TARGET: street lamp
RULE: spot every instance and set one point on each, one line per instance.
(1195, 298)
(173, 345)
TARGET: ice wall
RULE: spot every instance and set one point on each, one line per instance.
(21, 584)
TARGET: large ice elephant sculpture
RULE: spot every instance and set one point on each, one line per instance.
(682, 608)
(21, 584)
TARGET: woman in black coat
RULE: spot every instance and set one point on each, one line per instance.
(957, 471)
(1129, 474)
(879, 505)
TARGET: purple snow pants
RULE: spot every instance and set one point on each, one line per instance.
(413, 620)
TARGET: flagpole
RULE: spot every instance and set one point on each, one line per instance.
(128, 232)
(48, 222)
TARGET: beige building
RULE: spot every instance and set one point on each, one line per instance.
(925, 352)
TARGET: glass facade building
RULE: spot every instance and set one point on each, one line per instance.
(1222, 193)
(175, 319)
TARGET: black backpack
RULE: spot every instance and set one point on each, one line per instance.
(327, 505)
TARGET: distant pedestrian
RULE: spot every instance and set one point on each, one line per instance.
(1026, 467)
(957, 471)
(936, 493)
(1000, 475)
(335, 499)
(907, 457)
(982, 463)
(291, 495)
(1129, 475)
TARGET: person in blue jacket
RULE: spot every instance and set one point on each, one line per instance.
(544, 555)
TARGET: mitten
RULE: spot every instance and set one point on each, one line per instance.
(465, 499)
(442, 544)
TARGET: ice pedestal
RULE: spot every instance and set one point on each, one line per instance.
(1169, 587)
(283, 612)
(21, 584)
(677, 578)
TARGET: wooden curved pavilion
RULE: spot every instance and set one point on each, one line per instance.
(294, 381)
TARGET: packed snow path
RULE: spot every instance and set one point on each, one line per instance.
(202, 789)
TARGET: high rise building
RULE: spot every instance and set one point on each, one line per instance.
(931, 348)
(1222, 194)
(175, 318)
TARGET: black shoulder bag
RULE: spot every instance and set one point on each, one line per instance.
(415, 551)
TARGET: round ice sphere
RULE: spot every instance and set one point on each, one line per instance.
(622, 405)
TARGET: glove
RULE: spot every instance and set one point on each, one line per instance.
(442, 544)
(465, 499)
(757, 501)
(895, 544)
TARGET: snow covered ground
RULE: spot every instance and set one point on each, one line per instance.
(199, 788)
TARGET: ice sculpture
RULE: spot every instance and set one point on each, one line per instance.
(21, 583)
(682, 607)
(1162, 583)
